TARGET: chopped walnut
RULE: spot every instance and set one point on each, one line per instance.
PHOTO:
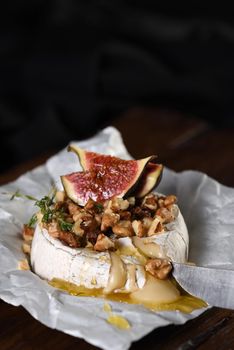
(26, 247)
(103, 243)
(77, 229)
(90, 226)
(87, 221)
(88, 245)
(92, 236)
(78, 216)
(125, 215)
(69, 239)
(138, 228)
(166, 215)
(98, 218)
(53, 229)
(91, 233)
(169, 200)
(150, 202)
(28, 233)
(109, 219)
(139, 213)
(73, 208)
(123, 228)
(147, 222)
(90, 204)
(118, 204)
(23, 265)
(159, 268)
(161, 202)
(155, 227)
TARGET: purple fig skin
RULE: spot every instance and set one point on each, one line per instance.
(80, 153)
(149, 180)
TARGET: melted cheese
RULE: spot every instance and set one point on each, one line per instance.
(156, 291)
(148, 248)
(118, 274)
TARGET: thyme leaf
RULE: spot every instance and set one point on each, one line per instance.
(44, 204)
(32, 221)
(17, 194)
(99, 207)
(48, 216)
(64, 225)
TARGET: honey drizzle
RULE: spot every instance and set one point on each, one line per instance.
(185, 303)
(114, 319)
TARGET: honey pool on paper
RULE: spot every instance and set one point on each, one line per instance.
(185, 302)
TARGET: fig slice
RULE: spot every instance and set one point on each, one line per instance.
(149, 180)
(85, 157)
(91, 160)
(106, 176)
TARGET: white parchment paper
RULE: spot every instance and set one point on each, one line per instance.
(206, 205)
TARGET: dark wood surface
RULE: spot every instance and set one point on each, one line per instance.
(181, 142)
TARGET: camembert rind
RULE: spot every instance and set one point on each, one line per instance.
(121, 271)
(82, 266)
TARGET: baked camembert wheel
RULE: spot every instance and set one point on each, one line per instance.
(108, 233)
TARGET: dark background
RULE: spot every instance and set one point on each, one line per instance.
(68, 68)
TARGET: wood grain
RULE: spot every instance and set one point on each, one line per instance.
(181, 142)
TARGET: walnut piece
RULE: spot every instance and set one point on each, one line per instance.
(88, 222)
(53, 229)
(147, 221)
(118, 204)
(125, 215)
(69, 239)
(166, 215)
(103, 243)
(155, 227)
(138, 228)
(159, 268)
(169, 200)
(26, 247)
(109, 219)
(73, 208)
(123, 228)
(90, 204)
(150, 202)
(23, 265)
(77, 229)
(28, 233)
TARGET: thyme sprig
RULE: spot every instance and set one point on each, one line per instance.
(50, 212)
(18, 194)
(65, 225)
(46, 206)
(33, 220)
(48, 209)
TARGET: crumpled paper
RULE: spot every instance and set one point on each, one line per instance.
(206, 206)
